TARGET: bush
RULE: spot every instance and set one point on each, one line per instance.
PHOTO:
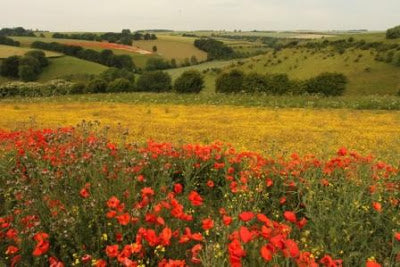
(231, 82)
(27, 73)
(40, 56)
(393, 33)
(156, 81)
(255, 83)
(112, 74)
(191, 81)
(96, 86)
(33, 89)
(279, 83)
(9, 67)
(328, 84)
(119, 85)
(157, 64)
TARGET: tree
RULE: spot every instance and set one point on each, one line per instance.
(154, 49)
(156, 81)
(393, 33)
(190, 81)
(156, 64)
(96, 86)
(230, 82)
(27, 73)
(119, 85)
(9, 67)
(40, 56)
(328, 84)
(113, 73)
(255, 83)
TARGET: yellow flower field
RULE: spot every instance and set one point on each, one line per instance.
(271, 131)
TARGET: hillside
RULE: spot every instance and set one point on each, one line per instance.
(6, 51)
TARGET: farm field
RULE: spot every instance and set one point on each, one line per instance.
(64, 66)
(271, 131)
(6, 51)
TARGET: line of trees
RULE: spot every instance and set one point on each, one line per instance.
(125, 37)
(17, 31)
(4, 40)
(105, 57)
(215, 49)
(235, 81)
(27, 68)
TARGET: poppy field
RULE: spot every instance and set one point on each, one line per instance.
(71, 197)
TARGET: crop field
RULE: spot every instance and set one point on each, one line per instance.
(176, 47)
(260, 129)
(6, 51)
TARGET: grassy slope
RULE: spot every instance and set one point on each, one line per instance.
(366, 76)
(6, 51)
(170, 47)
(69, 65)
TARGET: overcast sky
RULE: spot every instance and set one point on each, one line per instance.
(113, 15)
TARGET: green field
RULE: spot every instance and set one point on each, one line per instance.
(168, 47)
(365, 74)
(176, 47)
(60, 67)
(6, 51)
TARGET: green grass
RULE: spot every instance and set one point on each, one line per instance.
(7, 51)
(176, 47)
(372, 102)
(66, 65)
(366, 76)
(168, 47)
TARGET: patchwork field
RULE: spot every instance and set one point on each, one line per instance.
(260, 129)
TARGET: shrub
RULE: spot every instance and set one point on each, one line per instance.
(191, 81)
(157, 64)
(255, 82)
(40, 56)
(156, 81)
(27, 73)
(393, 33)
(329, 84)
(9, 67)
(231, 82)
(33, 89)
(119, 85)
(113, 73)
(279, 83)
(96, 86)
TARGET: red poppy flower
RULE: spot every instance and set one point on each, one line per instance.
(84, 193)
(246, 216)
(207, 224)
(178, 188)
(377, 206)
(11, 250)
(112, 251)
(113, 202)
(227, 220)
(372, 263)
(290, 216)
(195, 198)
(210, 183)
(245, 234)
(124, 219)
(165, 236)
(266, 253)
(397, 236)
(41, 248)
